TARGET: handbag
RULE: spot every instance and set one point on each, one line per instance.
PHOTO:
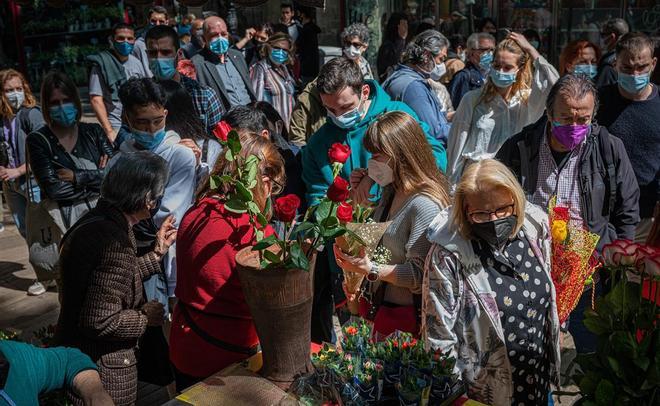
(153, 361)
(43, 235)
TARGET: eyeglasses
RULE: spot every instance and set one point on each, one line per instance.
(482, 50)
(484, 216)
(277, 187)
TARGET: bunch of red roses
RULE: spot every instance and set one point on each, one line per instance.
(322, 223)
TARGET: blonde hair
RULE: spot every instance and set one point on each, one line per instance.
(5, 108)
(271, 165)
(264, 49)
(523, 78)
(399, 136)
(482, 177)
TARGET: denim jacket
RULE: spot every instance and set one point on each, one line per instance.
(460, 314)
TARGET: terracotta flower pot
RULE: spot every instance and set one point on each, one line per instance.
(280, 301)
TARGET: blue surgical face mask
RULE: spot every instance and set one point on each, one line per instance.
(634, 84)
(124, 48)
(347, 120)
(502, 79)
(485, 60)
(149, 140)
(279, 56)
(219, 45)
(163, 68)
(586, 70)
(64, 114)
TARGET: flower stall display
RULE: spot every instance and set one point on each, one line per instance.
(572, 260)
(625, 369)
(360, 371)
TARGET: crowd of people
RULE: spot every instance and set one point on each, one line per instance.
(461, 142)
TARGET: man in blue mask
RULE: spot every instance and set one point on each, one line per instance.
(157, 16)
(145, 116)
(110, 69)
(352, 104)
(223, 69)
(164, 54)
(630, 109)
(480, 47)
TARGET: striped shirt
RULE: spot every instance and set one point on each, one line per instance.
(563, 182)
(275, 86)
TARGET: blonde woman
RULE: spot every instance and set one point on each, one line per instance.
(513, 97)
(414, 192)
(20, 116)
(271, 78)
(488, 297)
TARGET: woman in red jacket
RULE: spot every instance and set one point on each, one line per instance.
(212, 326)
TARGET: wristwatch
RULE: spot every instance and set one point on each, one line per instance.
(374, 273)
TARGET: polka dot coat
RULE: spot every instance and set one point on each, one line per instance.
(522, 293)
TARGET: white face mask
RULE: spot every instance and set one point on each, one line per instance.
(352, 52)
(438, 71)
(15, 99)
(380, 172)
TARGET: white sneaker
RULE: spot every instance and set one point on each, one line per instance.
(39, 288)
(2, 227)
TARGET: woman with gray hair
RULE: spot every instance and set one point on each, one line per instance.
(103, 311)
(423, 59)
(355, 40)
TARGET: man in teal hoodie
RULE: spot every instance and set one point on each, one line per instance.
(352, 105)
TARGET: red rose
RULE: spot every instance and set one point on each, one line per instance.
(345, 212)
(187, 68)
(286, 207)
(338, 191)
(561, 213)
(221, 131)
(338, 153)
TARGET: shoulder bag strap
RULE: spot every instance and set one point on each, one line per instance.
(606, 153)
(212, 340)
(205, 151)
(377, 296)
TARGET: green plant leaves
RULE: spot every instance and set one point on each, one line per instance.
(235, 205)
(605, 392)
(298, 258)
(265, 243)
(272, 257)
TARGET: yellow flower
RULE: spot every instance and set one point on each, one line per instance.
(559, 230)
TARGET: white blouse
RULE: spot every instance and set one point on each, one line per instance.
(480, 129)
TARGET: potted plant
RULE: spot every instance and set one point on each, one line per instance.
(275, 273)
(625, 369)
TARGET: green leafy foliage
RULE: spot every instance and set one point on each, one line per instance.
(625, 367)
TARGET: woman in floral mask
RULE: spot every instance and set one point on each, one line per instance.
(20, 116)
(271, 78)
(513, 97)
(414, 192)
(488, 297)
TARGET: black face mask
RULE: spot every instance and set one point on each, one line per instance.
(156, 207)
(495, 232)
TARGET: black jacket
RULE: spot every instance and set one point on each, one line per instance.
(607, 74)
(207, 73)
(46, 156)
(610, 215)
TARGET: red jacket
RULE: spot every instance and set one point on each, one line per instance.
(209, 288)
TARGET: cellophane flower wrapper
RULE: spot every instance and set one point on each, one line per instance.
(370, 235)
(572, 263)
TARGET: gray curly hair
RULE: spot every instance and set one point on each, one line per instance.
(355, 30)
(424, 47)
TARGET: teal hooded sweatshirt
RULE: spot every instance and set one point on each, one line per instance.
(317, 171)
